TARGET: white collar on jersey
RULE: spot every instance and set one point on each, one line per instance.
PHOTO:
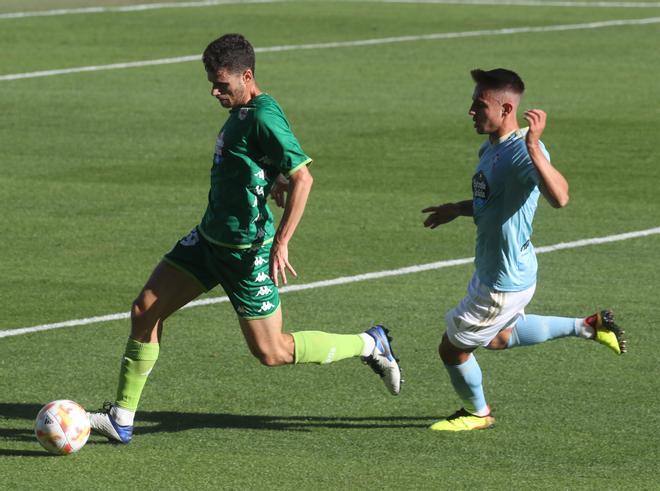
(520, 133)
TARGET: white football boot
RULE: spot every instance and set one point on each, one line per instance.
(382, 359)
(103, 423)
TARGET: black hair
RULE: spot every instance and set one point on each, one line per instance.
(231, 51)
(498, 79)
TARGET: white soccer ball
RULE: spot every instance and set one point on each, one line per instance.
(62, 427)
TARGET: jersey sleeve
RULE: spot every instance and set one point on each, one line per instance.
(526, 170)
(278, 142)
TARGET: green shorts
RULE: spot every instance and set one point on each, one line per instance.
(242, 273)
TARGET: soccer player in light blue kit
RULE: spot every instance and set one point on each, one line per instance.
(514, 168)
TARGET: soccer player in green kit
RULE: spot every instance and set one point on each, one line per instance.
(237, 246)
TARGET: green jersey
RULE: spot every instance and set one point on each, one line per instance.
(254, 146)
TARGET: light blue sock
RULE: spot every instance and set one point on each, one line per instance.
(535, 329)
(466, 379)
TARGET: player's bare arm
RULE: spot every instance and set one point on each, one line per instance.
(279, 190)
(554, 185)
(445, 213)
(300, 184)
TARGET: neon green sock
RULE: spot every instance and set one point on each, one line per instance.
(139, 359)
(322, 347)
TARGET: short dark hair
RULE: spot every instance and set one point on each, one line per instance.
(231, 51)
(498, 79)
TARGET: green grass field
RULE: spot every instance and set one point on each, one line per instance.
(103, 171)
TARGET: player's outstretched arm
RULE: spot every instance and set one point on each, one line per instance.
(445, 213)
(300, 184)
(554, 185)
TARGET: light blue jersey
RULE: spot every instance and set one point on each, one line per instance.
(505, 195)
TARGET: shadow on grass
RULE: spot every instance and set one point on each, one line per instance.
(24, 453)
(167, 421)
(170, 421)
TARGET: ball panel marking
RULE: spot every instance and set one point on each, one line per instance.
(62, 427)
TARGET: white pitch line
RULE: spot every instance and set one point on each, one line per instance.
(348, 44)
(526, 3)
(212, 3)
(97, 68)
(344, 280)
(128, 8)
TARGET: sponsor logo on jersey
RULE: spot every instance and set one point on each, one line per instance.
(219, 144)
(261, 174)
(191, 239)
(258, 261)
(479, 189)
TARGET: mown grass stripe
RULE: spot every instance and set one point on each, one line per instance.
(212, 3)
(343, 280)
(529, 3)
(126, 8)
(347, 44)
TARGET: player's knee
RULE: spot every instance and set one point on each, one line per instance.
(445, 350)
(450, 354)
(143, 319)
(496, 344)
(138, 311)
(270, 358)
(501, 341)
(272, 355)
